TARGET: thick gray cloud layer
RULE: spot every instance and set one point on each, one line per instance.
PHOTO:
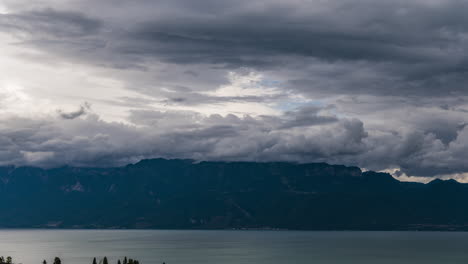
(306, 136)
(378, 84)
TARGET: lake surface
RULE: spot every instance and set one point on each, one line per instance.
(239, 247)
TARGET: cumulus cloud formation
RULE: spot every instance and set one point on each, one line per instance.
(83, 142)
(90, 141)
(378, 84)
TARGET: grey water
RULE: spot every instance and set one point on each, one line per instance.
(229, 247)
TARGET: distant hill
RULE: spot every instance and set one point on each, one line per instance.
(181, 194)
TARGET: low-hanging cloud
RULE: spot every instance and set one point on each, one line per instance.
(90, 141)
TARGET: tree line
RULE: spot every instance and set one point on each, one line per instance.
(125, 261)
(57, 260)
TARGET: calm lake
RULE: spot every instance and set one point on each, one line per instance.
(218, 247)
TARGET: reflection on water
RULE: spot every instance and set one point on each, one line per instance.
(219, 247)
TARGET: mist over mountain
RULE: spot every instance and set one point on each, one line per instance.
(183, 194)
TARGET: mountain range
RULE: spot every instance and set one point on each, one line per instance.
(184, 194)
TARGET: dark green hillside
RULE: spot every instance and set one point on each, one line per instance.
(182, 194)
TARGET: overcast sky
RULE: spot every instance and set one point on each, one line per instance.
(376, 84)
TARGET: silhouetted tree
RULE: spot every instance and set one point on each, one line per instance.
(125, 260)
(9, 260)
(94, 261)
(44, 262)
(118, 262)
(2, 260)
(57, 260)
(105, 261)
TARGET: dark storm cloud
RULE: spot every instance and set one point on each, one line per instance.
(419, 42)
(407, 32)
(51, 24)
(406, 47)
(395, 72)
